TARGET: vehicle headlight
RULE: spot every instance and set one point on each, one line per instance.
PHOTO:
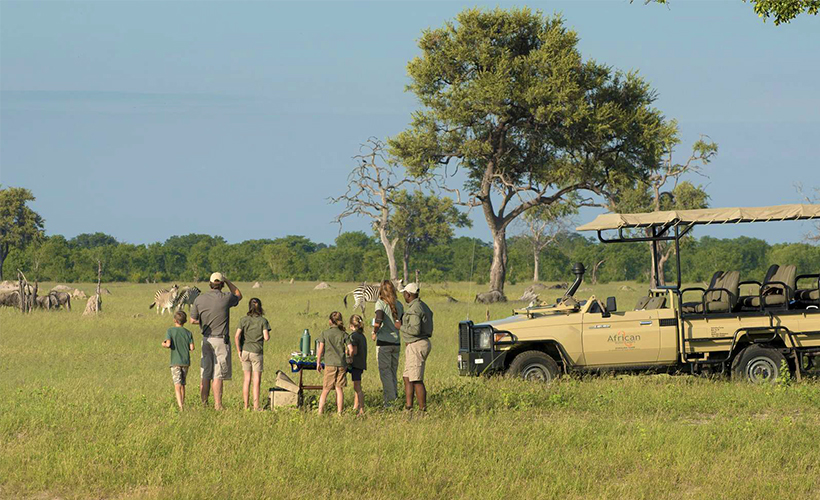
(485, 339)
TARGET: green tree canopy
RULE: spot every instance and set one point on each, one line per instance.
(19, 224)
(780, 11)
(421, 220)
(92, 240)
(507, 97)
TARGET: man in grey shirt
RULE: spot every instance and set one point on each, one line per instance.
(211, 311)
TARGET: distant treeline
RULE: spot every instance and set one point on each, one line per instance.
(355, 256)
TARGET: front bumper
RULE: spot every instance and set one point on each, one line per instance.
(473, 361)
(480, 363)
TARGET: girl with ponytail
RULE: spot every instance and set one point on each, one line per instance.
(358, 364)
(334, 346)
(386, 326)
(253, 332)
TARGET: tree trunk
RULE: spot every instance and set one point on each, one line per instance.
(390, 250)
(2, 260)
(406, 263)
(662, 259)
(498, 270)
(536, 264)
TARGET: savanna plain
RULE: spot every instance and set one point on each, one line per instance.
(88, 412)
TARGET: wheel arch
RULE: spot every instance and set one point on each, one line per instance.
(551, 348)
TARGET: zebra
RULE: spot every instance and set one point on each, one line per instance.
(165, 299)
(187, 296)
(365, 293)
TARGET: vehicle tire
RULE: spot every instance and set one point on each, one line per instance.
(534, 365)
(758, 365)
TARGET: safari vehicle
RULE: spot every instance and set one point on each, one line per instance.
(699, 330)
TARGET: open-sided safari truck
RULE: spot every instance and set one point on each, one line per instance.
(714, 329)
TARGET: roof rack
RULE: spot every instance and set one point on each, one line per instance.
(659, 224)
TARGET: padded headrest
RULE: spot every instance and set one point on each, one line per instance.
(655, 303)
(770, 272)
(641, 305)
(729, 281)
(787, 275)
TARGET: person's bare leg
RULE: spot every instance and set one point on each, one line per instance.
(358, 401)
(217, 386)
(246, 385)
(340, 400)
(257, 381)
(322, 400)
(421, 394)
(204, 391)
(408, 394)
(179, 391)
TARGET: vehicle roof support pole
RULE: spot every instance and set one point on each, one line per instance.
(677, 254)
(657, 282)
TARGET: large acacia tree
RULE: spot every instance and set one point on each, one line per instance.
(507, 97)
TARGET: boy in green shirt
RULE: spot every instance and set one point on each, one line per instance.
(180, 341)
(334, 347)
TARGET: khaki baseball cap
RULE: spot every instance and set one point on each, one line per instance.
(217, 277)
(411, 288)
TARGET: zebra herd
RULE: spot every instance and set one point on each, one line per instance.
(174, 298)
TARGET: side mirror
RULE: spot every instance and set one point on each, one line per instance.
(611, 305)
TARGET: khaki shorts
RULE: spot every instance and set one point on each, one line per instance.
(179, 374)
(251, 361)
(216, 359)
(415, 358)
(334, 377)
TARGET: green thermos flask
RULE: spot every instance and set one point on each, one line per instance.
(305, 344)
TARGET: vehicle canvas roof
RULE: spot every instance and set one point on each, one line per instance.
(703, 216)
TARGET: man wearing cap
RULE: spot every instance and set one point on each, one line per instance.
(211, 311)
(416, 330)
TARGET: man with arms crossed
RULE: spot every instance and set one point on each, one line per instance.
(211, 311)
(416, 330)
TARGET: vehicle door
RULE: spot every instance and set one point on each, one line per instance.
(628, 337)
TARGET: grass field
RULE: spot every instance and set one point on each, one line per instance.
(88, 412)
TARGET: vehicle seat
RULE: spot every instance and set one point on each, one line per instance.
(773, 291)
(641, 305)
(720, 297)
(690, 307)
(656, 303)
(808, 296)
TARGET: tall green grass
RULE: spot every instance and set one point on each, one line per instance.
(87, 411)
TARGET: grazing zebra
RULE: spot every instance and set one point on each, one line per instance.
(165, 299)
(187, 296)
(365, 293)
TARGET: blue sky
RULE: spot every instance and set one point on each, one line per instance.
(149, 119)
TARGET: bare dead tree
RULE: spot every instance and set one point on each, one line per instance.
(370, 189)
(812, 198)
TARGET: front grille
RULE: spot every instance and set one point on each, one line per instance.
(464, 337)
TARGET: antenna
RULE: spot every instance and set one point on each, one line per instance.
(472, 262)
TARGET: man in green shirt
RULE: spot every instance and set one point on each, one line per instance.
(416, 330)
(180, 341)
